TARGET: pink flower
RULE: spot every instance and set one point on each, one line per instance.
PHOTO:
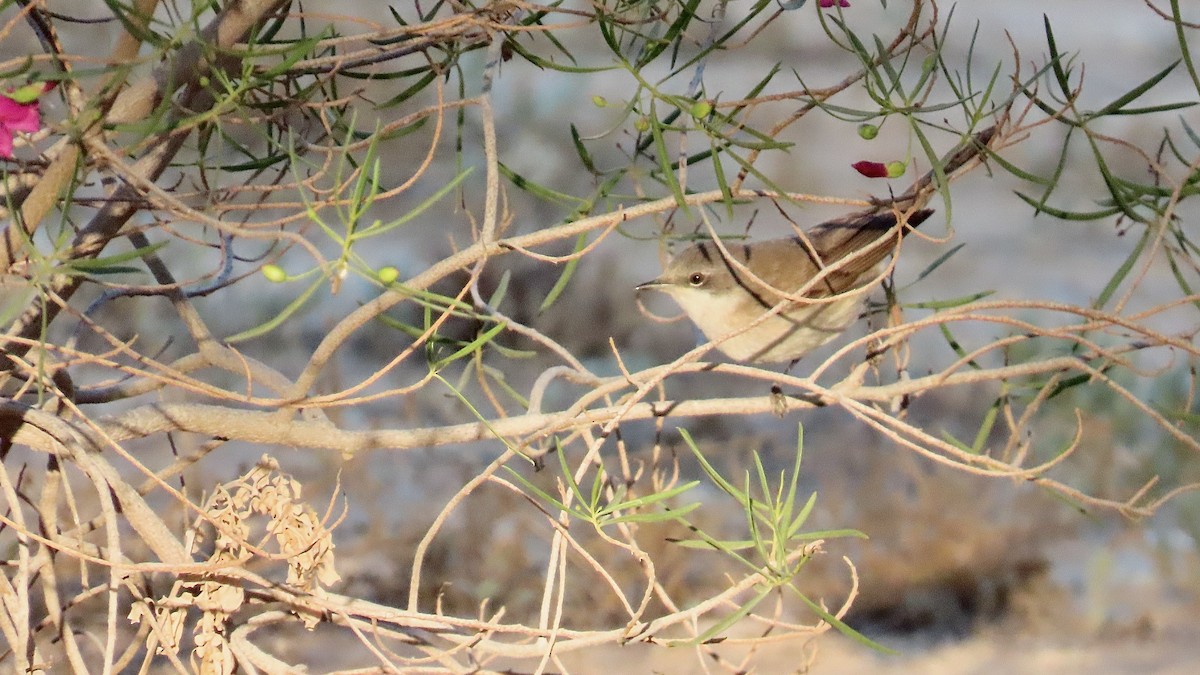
(871, 169)
(16, 117)
(826, 4)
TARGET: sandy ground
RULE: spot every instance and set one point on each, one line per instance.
(1173, 651)
(1169, 651)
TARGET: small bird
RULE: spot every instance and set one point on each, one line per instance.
(720, 298)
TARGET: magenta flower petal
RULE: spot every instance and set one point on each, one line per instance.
(10, 109)
(826, 4)
(871, 169)
(15, 117)
(19, 116)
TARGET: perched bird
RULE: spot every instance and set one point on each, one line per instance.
(720, 296)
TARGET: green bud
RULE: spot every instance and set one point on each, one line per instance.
(896, 169)
(867, 131)
(642, 124)
(701, 109)
(274, 274)
(388, 274)
(599, 101)
(26, 94)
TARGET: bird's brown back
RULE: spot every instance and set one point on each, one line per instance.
(823, 246)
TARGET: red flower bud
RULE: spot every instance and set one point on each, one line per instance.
(871, 169)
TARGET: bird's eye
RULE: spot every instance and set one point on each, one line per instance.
(697, 279)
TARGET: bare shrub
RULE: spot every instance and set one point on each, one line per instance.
(266, 226)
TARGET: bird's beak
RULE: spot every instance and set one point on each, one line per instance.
(652, 284)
